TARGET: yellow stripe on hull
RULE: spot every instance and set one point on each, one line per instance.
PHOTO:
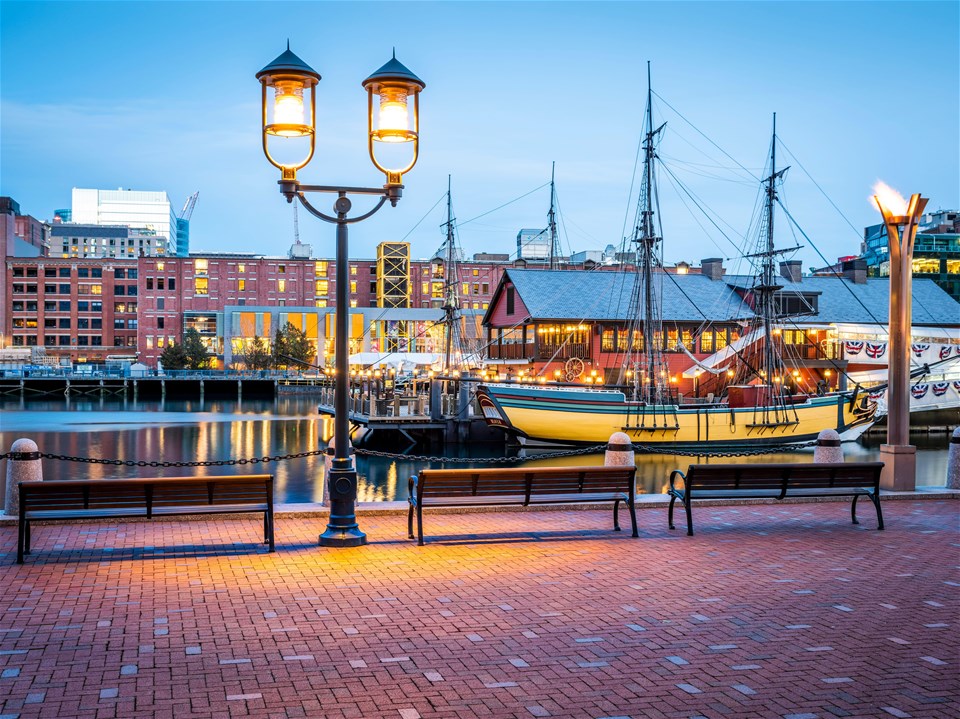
(708, 426)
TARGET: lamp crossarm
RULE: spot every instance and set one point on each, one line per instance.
(295, 189)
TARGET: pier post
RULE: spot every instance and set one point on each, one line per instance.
(436, 410)
(828, 449)
(28, 468)
(953, 461)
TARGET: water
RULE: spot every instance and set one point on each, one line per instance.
(225, 429)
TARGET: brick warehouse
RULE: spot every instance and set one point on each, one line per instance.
(84, 310)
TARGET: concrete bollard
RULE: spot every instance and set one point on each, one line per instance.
(953, 461)
(828, 448)
(619, 451)
(27, 469)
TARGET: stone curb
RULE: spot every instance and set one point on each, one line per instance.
(385, 509)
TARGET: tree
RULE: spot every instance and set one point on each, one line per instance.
(197, 355)
(297, 346)
(174, 357)
(257, 354)
(291, 348)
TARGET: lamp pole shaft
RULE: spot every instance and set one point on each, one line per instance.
(342, 529)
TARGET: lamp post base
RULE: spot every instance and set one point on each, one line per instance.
(342, 529)
(899, 472)
(337, 537)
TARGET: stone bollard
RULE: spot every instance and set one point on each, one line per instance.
(619, 451)
(27, 469)
(828, 448)
(953, 461)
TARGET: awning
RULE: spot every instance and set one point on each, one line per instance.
(881, 330)
(726, 353)
(397, 360)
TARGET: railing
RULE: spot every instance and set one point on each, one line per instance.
(41, 372)
(511, 351)
(563, 350)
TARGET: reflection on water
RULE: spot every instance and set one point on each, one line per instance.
(179, 431)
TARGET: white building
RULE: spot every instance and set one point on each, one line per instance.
(148, 212)
(533, 244)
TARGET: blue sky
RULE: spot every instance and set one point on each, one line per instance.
(162, 96)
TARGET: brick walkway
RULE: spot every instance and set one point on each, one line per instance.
(770, 611)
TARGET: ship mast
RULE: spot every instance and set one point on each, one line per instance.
(551, 218)
(649, 382)
(451, 302)
(767, 288)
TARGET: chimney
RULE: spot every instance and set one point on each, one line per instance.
(712, 267)
(791, 270)
(855, 271)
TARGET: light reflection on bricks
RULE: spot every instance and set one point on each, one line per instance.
(524, 623)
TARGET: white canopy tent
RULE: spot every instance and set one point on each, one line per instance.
(397, 360)
(724, 354)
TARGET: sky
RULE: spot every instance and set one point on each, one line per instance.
(162, 96)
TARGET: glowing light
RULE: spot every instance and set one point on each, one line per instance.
(394, 119)
(889, 199)
(288, 109)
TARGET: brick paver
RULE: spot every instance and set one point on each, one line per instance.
(770, 611)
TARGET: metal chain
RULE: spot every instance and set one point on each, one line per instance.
(594, 449)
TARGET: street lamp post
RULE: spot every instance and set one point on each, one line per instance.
(901, 220)
(286, 117)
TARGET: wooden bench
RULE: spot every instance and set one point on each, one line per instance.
(776, 481)
(147, 498)
(523, 486)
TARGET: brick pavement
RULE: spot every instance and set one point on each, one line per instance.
(770, 611)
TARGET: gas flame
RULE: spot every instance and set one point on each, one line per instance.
(889, 199)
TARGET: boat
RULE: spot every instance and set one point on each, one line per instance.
(757, 409)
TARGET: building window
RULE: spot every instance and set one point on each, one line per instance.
(83, 272)
(49, 272)
(64, 272)
(353, 303)
(160, 267)
(510, 300)
(321, 303)
(149, 342)
(281, 285)
(160, 303)
(64, 306)
(119, 273)
(485, 288)
(321, 269)
(241, 268)
(353, 270)
(149, 283)
(96, 289)
(119, 290)
(172, 283)
(241, 285)
(353, 287)
(476, 273)
(200, 266)
(160, 323)
(281, 269)
(202, 284)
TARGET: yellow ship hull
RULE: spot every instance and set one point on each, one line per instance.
(575, 416)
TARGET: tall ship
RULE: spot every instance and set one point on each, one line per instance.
(759, 405)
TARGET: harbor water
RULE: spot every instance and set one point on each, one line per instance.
(184, 431)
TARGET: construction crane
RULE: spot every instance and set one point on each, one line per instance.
(187, 212)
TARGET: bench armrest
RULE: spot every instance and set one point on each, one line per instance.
(412, 489)
(677, 473)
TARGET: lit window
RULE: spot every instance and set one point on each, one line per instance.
(200, 266)
(241, 285)
(321, 303)
(476, 273)
(322, 287)
(353, 287)
(353, 270)
(424, 288)
(149, 342)
(282, 269)
(202, 284)
(321, 269)
(161, 341)
(353, 303)
(96, 289)
(281, 285)
(160, 266)
(241, 268)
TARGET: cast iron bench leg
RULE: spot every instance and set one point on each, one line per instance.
(673, 498)
(21, 540)
(420, 525)
(633, 518)
(686, 504)
(876, 503)
(26, 529)
(853, 509)
(410, 522)
(616, 516)
(266, 528)
(272, 548)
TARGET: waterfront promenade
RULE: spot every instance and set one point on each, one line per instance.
(769, 611)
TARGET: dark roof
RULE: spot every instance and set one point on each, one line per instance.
(841, 300)
(606, 295)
